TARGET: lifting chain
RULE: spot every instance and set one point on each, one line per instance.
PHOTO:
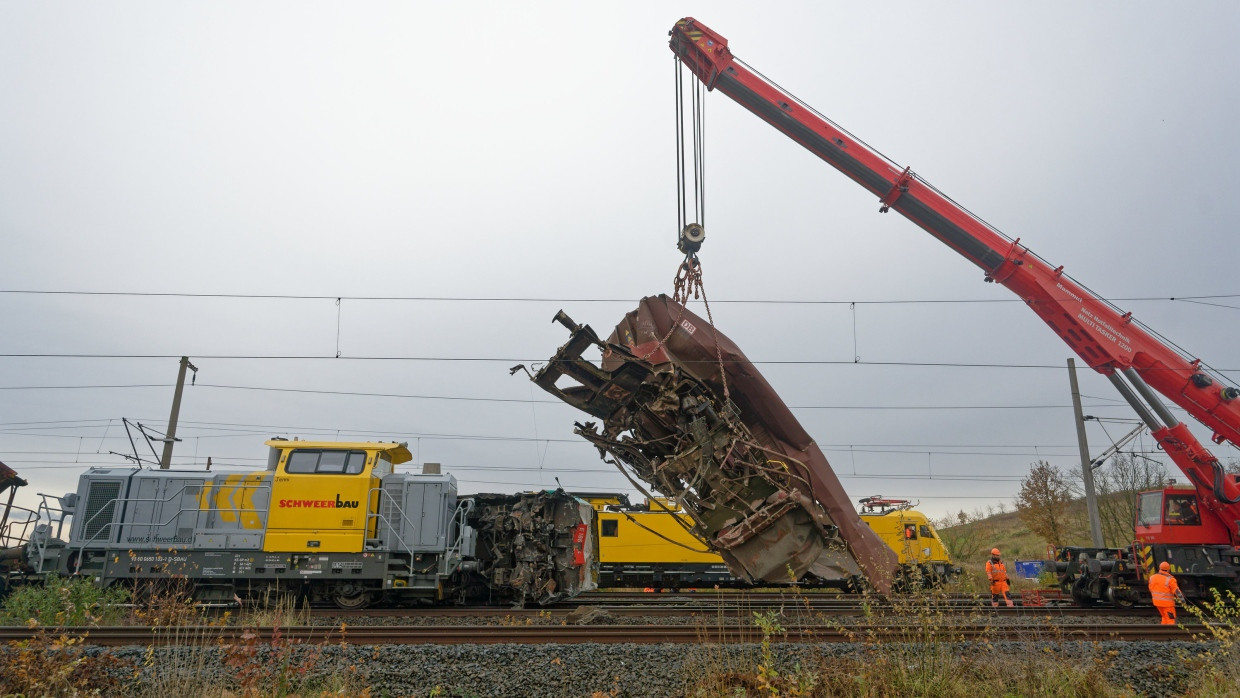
(689, 282)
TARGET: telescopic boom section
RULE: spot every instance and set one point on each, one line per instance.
(1106, 338)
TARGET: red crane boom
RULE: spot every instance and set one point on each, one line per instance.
(1106, 338)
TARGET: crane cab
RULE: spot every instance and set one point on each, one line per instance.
(1172, 515)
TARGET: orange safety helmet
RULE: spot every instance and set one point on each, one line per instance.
(994, 551)
(1164, 566)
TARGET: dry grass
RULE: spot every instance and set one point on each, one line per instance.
(927, 657)
(58, 664)
(1216, 667)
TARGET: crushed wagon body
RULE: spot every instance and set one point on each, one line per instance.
(687, 413)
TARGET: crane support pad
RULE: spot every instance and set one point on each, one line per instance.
(758, 488)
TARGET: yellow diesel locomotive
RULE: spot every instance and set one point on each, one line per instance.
(330, 522)
(652, 544)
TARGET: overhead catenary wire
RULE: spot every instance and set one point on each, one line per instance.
(573, 299)
(981, 451)
(502, 400)
(219, 463)
(510, 360)
(550, 299)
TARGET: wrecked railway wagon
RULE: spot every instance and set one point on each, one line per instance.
(688, 414)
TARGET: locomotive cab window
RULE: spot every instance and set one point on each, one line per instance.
(326, 462)
(926, 532)
(910, 531)
(383, 466)
(609, 528)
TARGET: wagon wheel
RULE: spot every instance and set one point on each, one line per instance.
(1080, 596)
(351, 598)
(1121, 601)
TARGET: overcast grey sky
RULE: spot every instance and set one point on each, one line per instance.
(525, 151)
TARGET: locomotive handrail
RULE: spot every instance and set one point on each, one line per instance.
(9, 539)
(198, 513)
(44, 513)
(377, 516)
(464, 508)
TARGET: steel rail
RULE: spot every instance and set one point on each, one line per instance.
(608, 634)
(728, 609)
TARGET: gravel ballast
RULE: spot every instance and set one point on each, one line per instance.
(1148, 668)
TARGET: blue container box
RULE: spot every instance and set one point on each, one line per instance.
(1029, 569)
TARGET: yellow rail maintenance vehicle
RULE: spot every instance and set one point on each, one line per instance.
(651, 545)
(924, 559)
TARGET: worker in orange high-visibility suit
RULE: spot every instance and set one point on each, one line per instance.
(997, 574)
(1165, 592)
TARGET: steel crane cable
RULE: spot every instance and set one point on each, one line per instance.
(688, 279)
(698, 129)
(678, 83)
(699, 152)
(689, 225)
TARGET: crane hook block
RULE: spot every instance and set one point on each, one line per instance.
(691, 237)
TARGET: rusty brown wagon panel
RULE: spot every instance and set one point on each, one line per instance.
(760, 491)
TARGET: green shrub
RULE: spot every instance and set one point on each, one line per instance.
(64, 602)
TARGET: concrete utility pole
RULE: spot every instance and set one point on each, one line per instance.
(170, 438)
(1087, 465)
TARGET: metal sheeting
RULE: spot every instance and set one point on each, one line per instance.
(756, 484)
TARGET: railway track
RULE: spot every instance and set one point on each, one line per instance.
(629, 604)
(729, 610)
(607, 634)
(1040, 598)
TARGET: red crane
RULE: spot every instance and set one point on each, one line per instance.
(1105, 337)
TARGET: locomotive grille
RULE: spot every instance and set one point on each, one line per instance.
(100, 508)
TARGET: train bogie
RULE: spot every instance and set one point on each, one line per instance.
(1120, 576)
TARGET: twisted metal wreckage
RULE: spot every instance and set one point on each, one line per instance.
(691, 416)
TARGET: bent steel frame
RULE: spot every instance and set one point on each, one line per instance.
(688, 414)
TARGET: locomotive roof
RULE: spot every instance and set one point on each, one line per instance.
(397, 452)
